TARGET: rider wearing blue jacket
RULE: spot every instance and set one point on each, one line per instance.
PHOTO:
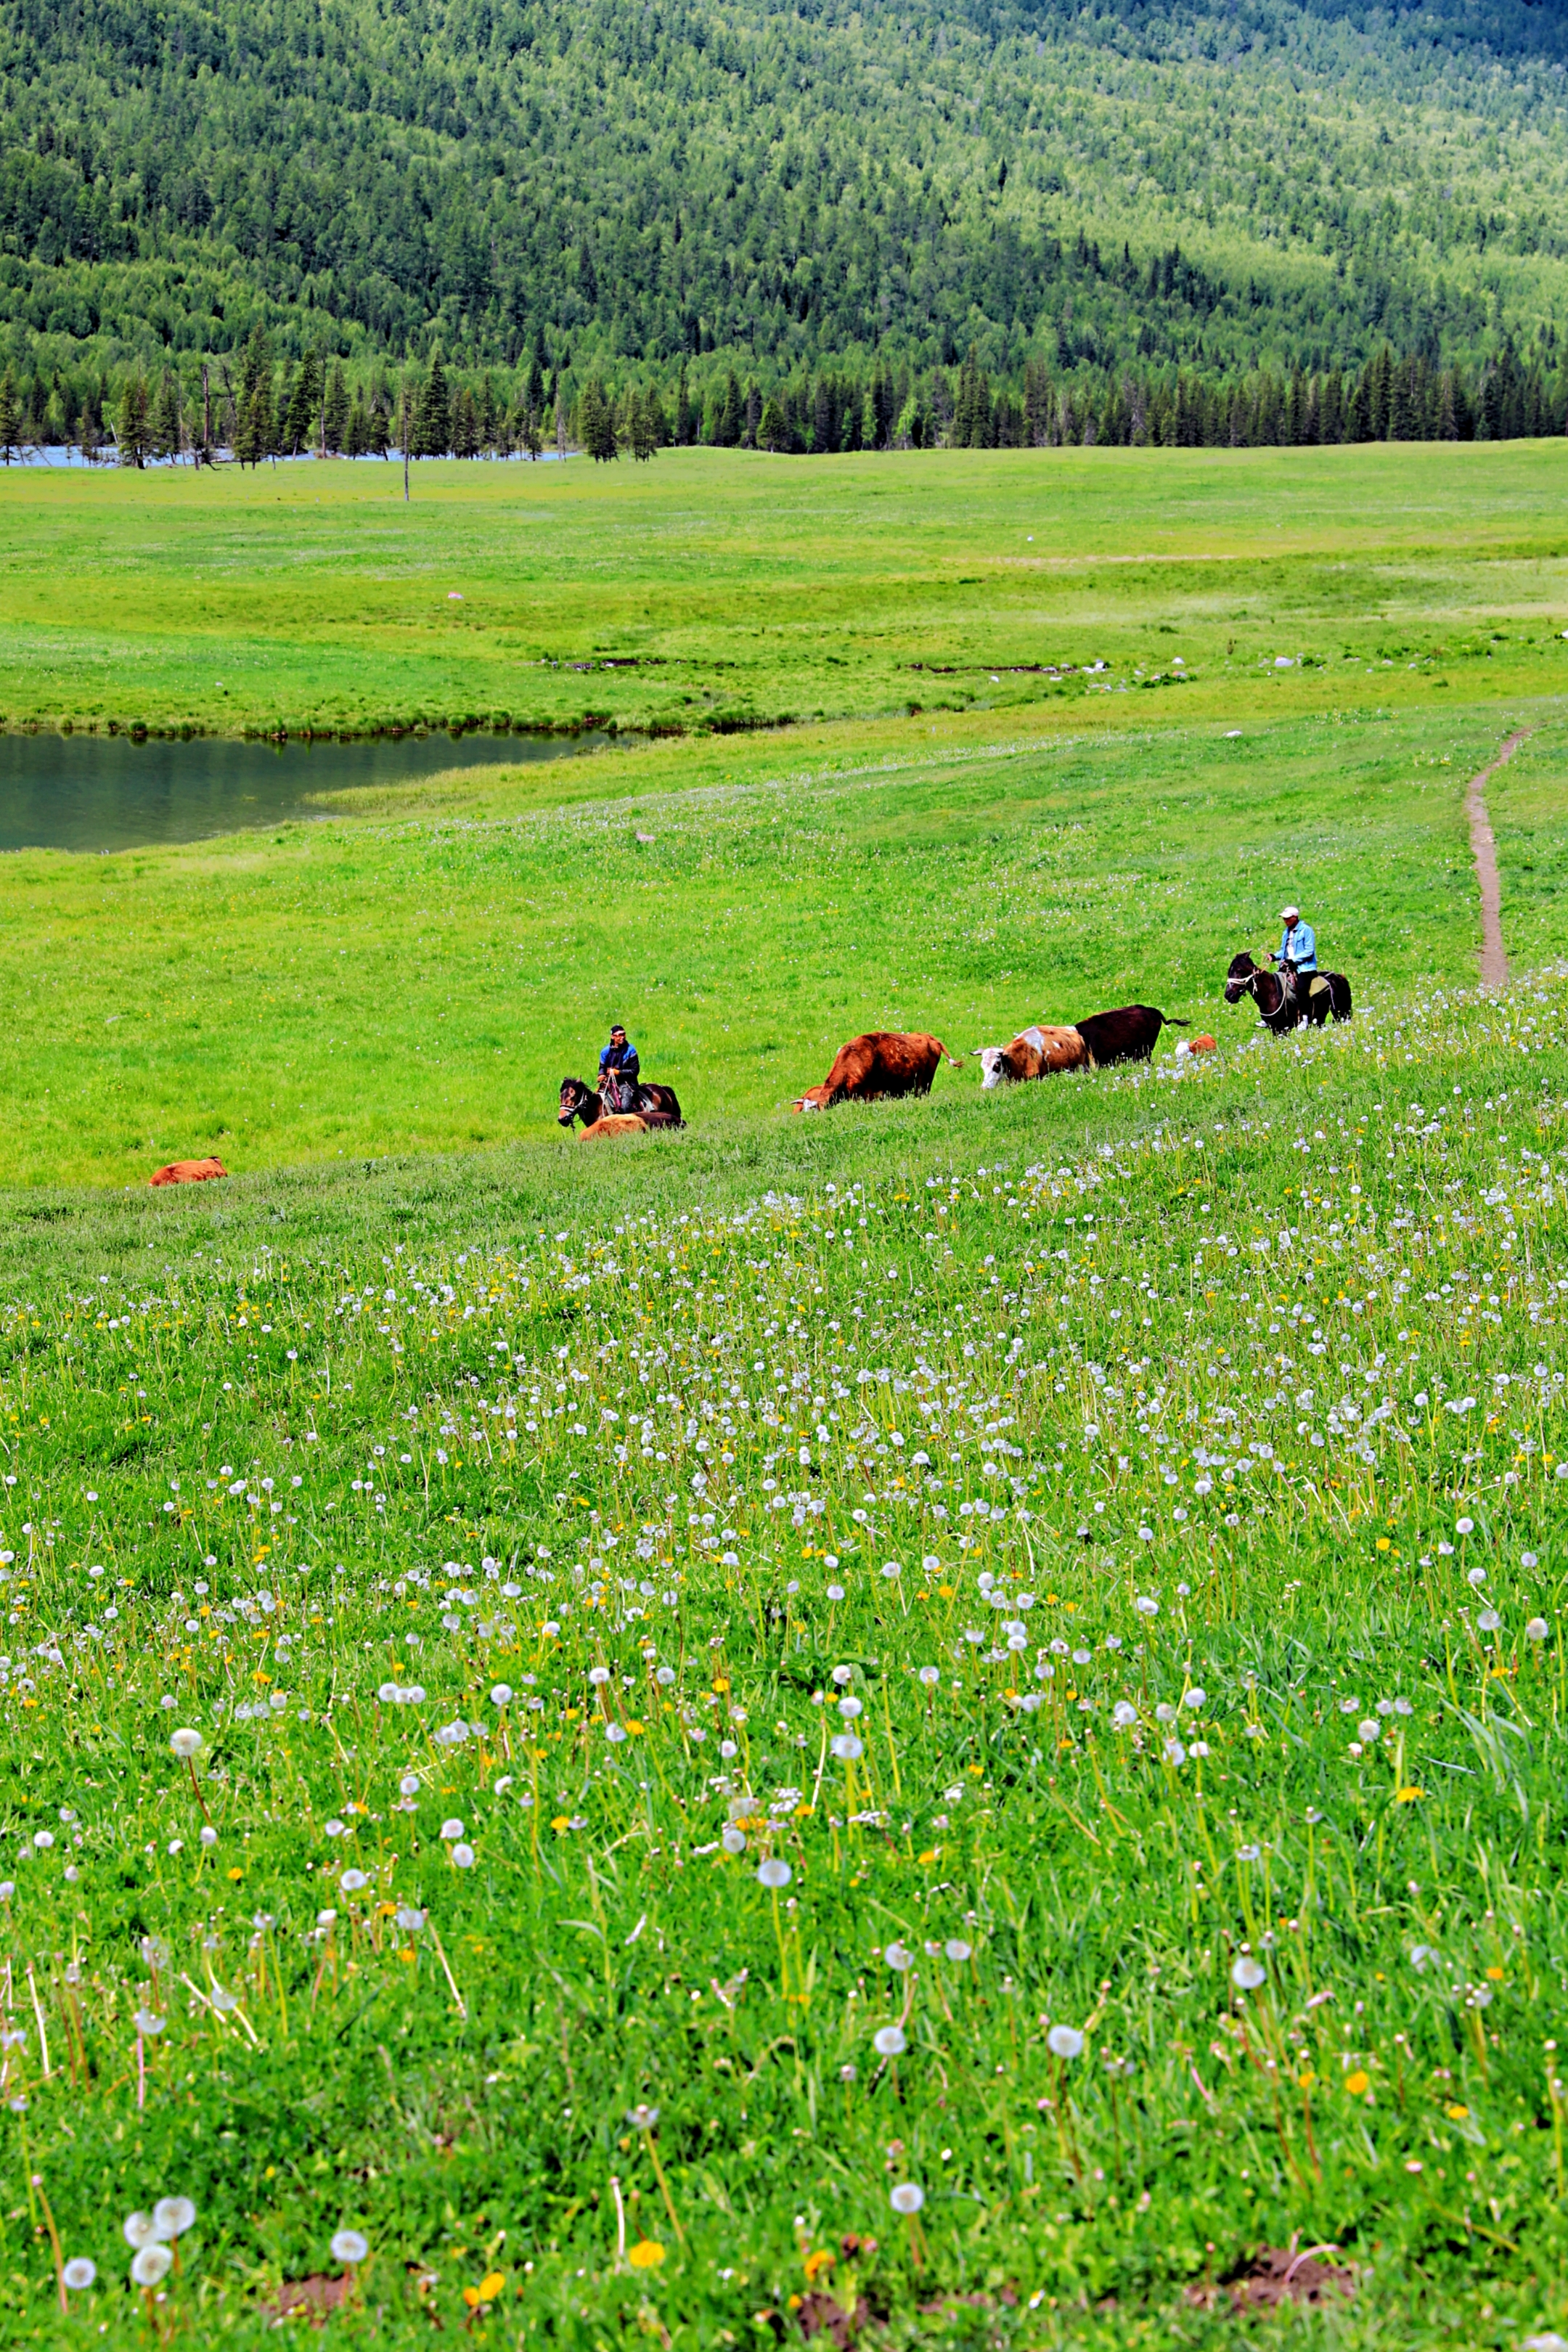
(1299, 944)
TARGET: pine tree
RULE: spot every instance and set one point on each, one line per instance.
(771, 427)
(255, 363)
(354, 439)
(336, 429)
(465, 428)
(300, 417)
(1447, 412)
(732, 421)
(684, 415)
(643, 422)
(10, 418)
(131, 430)
(166, 437)
(596, 423)
(753, 414)
(430, 414)
(1379, 385)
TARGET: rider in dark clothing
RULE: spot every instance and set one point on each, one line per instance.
(618, 1071)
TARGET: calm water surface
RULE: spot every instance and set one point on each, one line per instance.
(94, 793)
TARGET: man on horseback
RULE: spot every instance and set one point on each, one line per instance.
(618, 1072)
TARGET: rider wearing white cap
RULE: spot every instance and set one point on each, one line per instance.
(1298, 946)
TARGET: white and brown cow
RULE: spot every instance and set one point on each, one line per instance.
(1036, 1052)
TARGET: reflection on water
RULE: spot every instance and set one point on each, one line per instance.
(104, 792)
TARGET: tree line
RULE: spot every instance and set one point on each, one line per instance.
(261, 410)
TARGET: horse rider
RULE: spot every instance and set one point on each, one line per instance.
(618, 1071)
(1298, 949)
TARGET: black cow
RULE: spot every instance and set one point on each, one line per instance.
(1129, 1034)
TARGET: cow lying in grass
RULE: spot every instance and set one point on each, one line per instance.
(189, 1172)
(878, 1067)
(1037, 1053)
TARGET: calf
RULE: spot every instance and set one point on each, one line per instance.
(878, 1066)
(1036, 1052)
(1129, 1034)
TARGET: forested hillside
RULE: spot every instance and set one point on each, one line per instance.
(617, 190)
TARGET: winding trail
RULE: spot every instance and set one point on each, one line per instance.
(1494, 960)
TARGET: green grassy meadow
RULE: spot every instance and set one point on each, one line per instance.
(749, 589)
(1096, 1551)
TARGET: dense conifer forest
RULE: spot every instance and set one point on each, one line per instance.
(494, 225)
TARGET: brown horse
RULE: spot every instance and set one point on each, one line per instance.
(652, 1106)
(1288, 999)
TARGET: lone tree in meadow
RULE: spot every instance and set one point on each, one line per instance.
(132, 430)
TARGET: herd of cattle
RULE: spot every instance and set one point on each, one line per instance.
(886, 1064)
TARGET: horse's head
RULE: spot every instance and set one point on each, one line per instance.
(1239, 977)
(574, 1100)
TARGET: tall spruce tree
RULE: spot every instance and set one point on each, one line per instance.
(336, 412)
(132, 433)
(596, 423)
(165, 428)
(303, 415)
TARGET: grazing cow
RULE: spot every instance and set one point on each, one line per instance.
(878, 1066)
(1036, 1052)
(1129, 1034)
(189, 1172)
(1195, 1045)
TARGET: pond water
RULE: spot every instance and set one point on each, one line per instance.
(92, 792)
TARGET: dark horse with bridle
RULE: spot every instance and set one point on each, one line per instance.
(658, 1104)
(1288, 999)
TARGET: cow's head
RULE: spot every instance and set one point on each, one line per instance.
(813, 1099)
(994, 1068)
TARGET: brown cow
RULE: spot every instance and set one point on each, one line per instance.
(189, 1172)
(1036, 1052)
(1129, 1034)
(625, 1122)
(878, 1066)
